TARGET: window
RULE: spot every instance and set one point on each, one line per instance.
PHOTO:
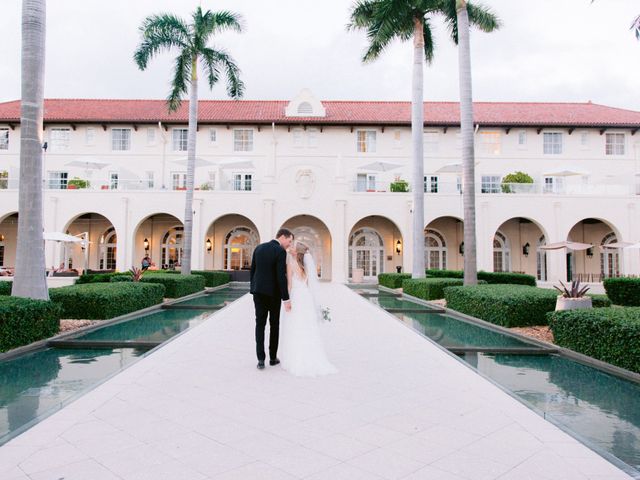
(4, 139)
(501, 253)
(431, 139)
(243, 140)
(180, 139)
(584, 139)
(297, 137)
(213, 135)
(151, 136)
(121, 139)
(90, 136)
(312, 137)
(490, 142)
(58, 180)
(552, 143)
(211, 183)
(242, 182)
(366, 141)
(522, 138)
(178, 180)
(430, 184)
(366, 182)
(59, 139)
(553, 184)
(459, 184)
(435, 250)
(490, 184)
(150, 179)
(113, 180)
(615, 144)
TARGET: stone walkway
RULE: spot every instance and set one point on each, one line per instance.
(199, 409)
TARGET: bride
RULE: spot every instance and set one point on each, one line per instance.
(303, 353)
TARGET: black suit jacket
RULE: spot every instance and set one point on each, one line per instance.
(269, 270)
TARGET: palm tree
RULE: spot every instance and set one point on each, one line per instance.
(30, 280)
(635, 26)
(167, 32)
(487, 22)
(384, 21)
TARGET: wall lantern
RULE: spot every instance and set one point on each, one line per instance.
(145, 244)
(398, 247)
(461, 249)
(525, 249)
(1, 238)
(590, 252)
(208, 244)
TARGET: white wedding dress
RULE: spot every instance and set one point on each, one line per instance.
(301, 346)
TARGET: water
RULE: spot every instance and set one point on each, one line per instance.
(601, 408)
(211, 300)
(387, 301)
(37, 384)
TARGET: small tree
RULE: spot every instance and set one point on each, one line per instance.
(516, 177)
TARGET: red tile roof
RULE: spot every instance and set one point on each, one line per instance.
(338, 113)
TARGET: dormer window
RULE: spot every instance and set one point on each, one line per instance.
(305, 108)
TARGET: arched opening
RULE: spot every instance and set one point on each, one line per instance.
(8, 243)
(159, 237)
(229, 244)
(314, 234)
(595, 263)
(99, 254)
(443, 248)
(516, 248)
(375, 246)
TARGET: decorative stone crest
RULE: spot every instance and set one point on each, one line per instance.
(305, 183)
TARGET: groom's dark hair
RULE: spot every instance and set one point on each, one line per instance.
(284, 231)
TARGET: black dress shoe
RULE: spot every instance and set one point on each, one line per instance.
(260, 364)
(274, 362)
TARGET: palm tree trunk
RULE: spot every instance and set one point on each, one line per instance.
(191, 164)
(417, 134)
(468, 156)
(30, 280)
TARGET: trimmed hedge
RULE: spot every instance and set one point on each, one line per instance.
(176, 285)
(101, 301)
(5, 287)
(623, 291)
(430, 288)
(95, 278)
(506, 305)
(608, 334)
(502, 278)
(392, 280)
(24, 321)
(213, 278)
(599, 300)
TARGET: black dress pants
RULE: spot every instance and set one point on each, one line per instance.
(267, 306)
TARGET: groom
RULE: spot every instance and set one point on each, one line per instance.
(269, 287)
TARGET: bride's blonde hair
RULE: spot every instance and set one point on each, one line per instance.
(301, 249)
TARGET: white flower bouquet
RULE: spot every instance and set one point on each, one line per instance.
(326, 314)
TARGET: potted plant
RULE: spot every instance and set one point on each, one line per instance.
(76, 183)
(4, 180)
(516, 177)
(399, 185)
(572, 297)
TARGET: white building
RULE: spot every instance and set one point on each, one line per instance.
(325, 169)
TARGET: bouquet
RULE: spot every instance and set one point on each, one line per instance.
(326, 314)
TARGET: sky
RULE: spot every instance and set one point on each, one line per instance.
(546, 50)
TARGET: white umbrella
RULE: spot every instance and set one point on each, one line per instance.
(567, 245)
(87, 165)
(62, 237)
(380, 166)
(616, 245)
(200, 162)
(564, 173)
(451, 168)
(237, 164)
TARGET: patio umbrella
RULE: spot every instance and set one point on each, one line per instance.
(237, 164)
(616, 245)
(61, 237)
(451, 168)
(566, 244)
(564, 173)
(87, 165)
(380, 166)
(200, 162)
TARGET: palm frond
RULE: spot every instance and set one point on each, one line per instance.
(479, 16)
(636, 26)
(160, 32)
(429, 42)
(214, 61)
(181, 81)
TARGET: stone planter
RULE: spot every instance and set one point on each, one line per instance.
(564, 303)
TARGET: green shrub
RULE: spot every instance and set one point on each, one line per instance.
(599, 300)
(213, 278)
(24, 320)
(399, 186)
(5, 287)
(96, 278)
(623, 291)
(608, 334)
(392, 280)
(121, 278)
(176, 285)
(105, 300)
(506, 305)
(516, 177)
(430, 288)
(445, 273)
(502, 278)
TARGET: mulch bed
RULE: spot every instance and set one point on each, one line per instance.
(542, 333)
(70, 325)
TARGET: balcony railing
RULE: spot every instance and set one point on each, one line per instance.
(133, 185)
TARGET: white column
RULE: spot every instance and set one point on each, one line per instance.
(54, 254)
(197, 240)
(484, 240)
(339, 267)
(267, 231)
(270, 170)
(630, 257)
(556, 259)
(407, 241)
(125, 250)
